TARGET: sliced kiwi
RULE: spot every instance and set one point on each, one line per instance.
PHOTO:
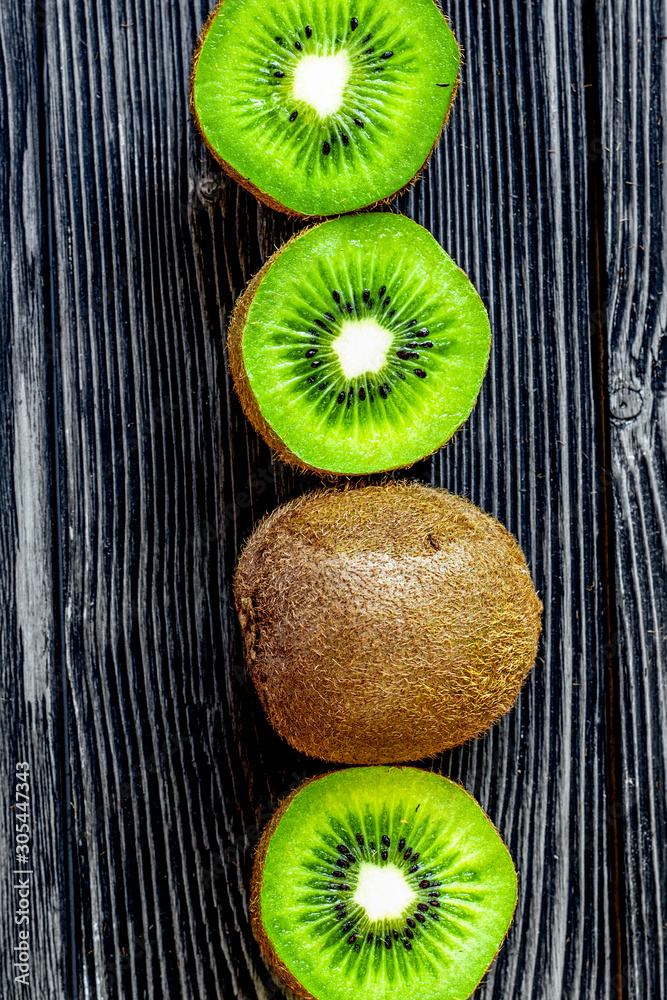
(360, 346)
(381, 883)
(385, 623)
(322, 107)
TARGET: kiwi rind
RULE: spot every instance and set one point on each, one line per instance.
(274, 963)
(348, 673)
(262, 196)
(248, 399)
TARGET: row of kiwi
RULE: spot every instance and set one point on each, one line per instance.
(383, 623)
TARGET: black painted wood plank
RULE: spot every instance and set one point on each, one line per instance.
(174, 768)
(30, 707)
(633, 99)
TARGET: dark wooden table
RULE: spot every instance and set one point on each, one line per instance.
(129, 479)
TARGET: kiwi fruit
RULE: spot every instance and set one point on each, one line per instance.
(385, 623)
(359, 347)
(381, 883)
(321, 108)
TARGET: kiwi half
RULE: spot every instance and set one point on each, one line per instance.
(381, 883)
(360, 346)
(385, 623)
(321, 108)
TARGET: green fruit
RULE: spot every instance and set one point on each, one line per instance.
(324, 108)
(385, 623)
(359, 347)
(381, 883)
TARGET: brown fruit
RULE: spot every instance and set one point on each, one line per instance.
(385, 623)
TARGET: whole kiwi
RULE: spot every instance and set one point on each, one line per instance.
(385, 623)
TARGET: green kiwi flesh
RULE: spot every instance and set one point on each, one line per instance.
(385, 623)
(360, 347)
(381, 883)
(324, 108)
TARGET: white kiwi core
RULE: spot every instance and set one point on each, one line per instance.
(320, 81)
(362, 346)
(383, 892)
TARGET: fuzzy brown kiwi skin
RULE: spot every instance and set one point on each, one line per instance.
(273, 961)
(349, 686)
(248, 399)
(262, 196)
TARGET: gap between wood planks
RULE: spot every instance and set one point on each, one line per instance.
(597, 270)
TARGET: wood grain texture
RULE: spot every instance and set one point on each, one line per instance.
(30, 707)
(173, 767)
(633, 89)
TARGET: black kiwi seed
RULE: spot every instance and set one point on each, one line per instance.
(413, 322)
(386, 55)
(336, 297)
(401, 375)
(348, 926)
(345, 888)
(321, 324)
(387, 941)
(403, 355)
(422, 333)
(343, 864)
(341, 915)
(420, 917)
(434, 902)
(401, 843)
(384, 855)
(367, 294)
(382, 291)
(423, 907)
(326, 148)
(370, 937)
(367, 38)
(420, 373)
(352, 938)
(279, 73)
(368, 51)
(311, 352)
(358, 121)
(349, 307)
(396, 935)
(338, 874)
(360, 840)
(424, 884)
(407, 946)
(293, 117)
(411, 871)
(342, 849)
(408, 932)
(315, 364)
(332, 319)
(383, 392)
(354, 24)
(341, 397)
(345, 138)
(362, 393)
(386, 840)
(297, 45)
(410, 922)
(414, 356)
(415, 857)
(310, 380)
(309, 31)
